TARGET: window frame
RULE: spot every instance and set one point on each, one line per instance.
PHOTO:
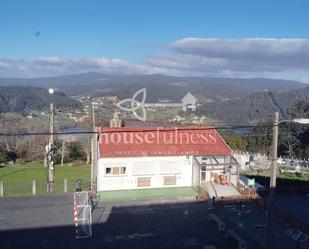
(115, 171)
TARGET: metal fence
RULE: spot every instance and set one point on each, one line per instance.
(251, 161)
(19, 188)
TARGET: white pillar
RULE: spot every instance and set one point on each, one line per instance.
(65, 185)
(1, 189)
(33, 187)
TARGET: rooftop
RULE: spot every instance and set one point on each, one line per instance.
(161, 141)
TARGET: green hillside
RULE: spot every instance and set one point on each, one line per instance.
(25, 98)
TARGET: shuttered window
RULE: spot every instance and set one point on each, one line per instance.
(143, 182)
(169, 180)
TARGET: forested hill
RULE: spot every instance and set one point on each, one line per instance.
(255, 107)
(21, 99)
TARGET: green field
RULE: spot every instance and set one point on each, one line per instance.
(294, 176)
(41, 121)
(147, 194)
(18, 178)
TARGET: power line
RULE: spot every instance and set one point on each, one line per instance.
(131, 129)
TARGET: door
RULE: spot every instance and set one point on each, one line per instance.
(202, 174)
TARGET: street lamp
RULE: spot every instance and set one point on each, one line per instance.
(50, 153)
(274, 166)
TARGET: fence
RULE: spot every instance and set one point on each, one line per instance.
(255, 160)
(19, 188)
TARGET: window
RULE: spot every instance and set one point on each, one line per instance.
(115, 170)
(203, 176)
(143, 182)
(169, 180)
(123, 170)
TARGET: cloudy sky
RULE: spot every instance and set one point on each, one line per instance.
(239, 38)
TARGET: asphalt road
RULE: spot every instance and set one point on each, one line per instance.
(47, 222)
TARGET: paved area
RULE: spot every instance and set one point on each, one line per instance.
(47, 222)
(225, 190)
(219, 190)
(249, 221)
(298, 206)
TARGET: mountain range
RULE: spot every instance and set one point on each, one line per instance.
(230, 100)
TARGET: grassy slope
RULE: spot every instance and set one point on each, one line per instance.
(17, 179)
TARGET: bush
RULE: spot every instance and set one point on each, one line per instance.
(20, 161)
(3, 157)
(78, 163)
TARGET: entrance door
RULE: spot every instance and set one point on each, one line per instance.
(202, 174)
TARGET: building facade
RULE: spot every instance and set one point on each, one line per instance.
(139, 158)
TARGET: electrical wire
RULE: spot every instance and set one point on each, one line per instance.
(131, 129)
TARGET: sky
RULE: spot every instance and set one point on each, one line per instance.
(218, 38)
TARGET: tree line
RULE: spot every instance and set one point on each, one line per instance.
(293, 138)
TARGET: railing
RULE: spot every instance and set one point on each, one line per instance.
(293, 164)
(202, 194)
(20, 188)
(236, 198)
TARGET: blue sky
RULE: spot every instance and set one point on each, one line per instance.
(135, 33)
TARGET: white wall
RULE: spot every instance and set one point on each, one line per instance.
(154, 167)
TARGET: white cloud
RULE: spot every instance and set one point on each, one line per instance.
(54, 65)
(255, 57)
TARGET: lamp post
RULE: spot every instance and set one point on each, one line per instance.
(50, 153)
(274, 167)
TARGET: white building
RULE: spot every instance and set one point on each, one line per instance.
(137, 158)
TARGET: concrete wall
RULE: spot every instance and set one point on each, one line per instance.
(154, 167)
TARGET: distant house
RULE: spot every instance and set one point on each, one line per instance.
(189, 102)
(157, 157)
(31, 115)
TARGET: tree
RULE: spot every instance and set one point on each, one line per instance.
(236, 142)
(15, 146)
(300, 110)
(86, 145)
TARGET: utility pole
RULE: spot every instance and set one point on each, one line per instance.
(93, 152)
(62, 152)
(49, 147)
(273, 181)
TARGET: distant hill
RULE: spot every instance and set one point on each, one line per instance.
(255, 107)
(158, 86)
(230, 100)
(21, 99)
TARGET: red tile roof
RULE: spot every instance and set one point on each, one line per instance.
(161, 141)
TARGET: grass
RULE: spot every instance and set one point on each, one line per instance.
(147, 194)
(41, 121)
(18, 178)
(294, 176)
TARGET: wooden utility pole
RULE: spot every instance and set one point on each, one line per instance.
(273, 181)
(93, 152)
(50, 168)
